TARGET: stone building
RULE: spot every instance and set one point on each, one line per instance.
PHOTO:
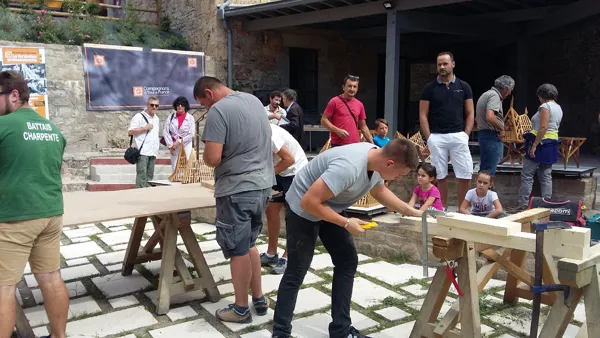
(314, 55)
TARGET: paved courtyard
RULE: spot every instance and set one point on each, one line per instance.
(386, 299)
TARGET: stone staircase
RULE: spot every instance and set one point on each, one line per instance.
(106, 171)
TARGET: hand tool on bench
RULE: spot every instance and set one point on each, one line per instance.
(537, 288)
(425, 258)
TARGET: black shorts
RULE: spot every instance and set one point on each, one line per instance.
(283, 185)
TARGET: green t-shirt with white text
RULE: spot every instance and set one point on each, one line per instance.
(31, 152)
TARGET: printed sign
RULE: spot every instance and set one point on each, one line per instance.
(31, 63)
(123, 78)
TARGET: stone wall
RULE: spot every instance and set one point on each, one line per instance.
(85, 131)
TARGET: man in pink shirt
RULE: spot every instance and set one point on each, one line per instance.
(345, 116)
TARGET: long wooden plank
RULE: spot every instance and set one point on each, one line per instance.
(492, 226)
(84, 207)
(520, 241)
(529, 215)
(579, 265)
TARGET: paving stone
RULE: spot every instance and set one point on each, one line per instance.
(392, 313)
(400, 331)
(114, 267)
(193, 329)
(80, 250)
(129, 336)
(506, 335)
(154, 266)
(85, 232)
(41, 331)
(208, 246)
(19, 299)
(86, 226)
(209, 237)
(120, 222)
(77, 307)
(226, 288)
(360, 321)
(417, 304)
(68, 274)
(416, 289)
(112, 323)
(203, 228)
(27, 269)
(366, 293)
(81, 240)
(315, 326)
(181, 313)
(178, 299)
(115, 285)
(119, 228)
(257, 334)
(362, 258)
(77, 261)
(494, 283)
(214, 258)
(485, 330)
(126, 301)
(310, 299)
(321, 261)
(579, 314)
(517, 318)
(75, 289)
(113, 238)
(221, 273)
(120, 247)
(270, 283)
(235, 327)
(393, 274)
(111, 257)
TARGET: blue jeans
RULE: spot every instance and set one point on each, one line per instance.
(491, 150)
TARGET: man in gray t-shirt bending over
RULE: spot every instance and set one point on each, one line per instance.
(237, 138)
(322, 189)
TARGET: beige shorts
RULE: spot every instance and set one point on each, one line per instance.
(36, 241)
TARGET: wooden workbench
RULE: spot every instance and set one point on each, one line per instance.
(169, 208)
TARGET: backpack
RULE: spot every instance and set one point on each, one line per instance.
(565, 211)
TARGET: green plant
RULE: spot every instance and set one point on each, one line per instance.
(130, 28)
(173, 42)
(92, 8)
(75, 7)
(165, 24)
(4, 3)
(42, 27)
(9, 25)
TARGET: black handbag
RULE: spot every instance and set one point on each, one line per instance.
(132, 154)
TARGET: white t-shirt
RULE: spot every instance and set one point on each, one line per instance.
(151, 140)
(281, 137)
(280, 111)
(481, 204)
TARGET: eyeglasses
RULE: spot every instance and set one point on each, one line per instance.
(6, 92)
(153, 105)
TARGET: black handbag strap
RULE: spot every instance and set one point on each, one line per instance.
(147, 131)
(350, 111)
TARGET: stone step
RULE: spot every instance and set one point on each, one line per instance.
(101, 170)
(127, 178)
(121, 161)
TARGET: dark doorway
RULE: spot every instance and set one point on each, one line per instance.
(404, 120)
(304, 78)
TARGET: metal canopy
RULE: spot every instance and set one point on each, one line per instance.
(367, 18)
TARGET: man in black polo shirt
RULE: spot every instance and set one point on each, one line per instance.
(446, 113)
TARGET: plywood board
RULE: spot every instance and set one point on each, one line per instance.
(520, 241)
(486, 225)
(84, 207)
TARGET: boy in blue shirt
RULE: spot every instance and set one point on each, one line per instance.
(381, 127)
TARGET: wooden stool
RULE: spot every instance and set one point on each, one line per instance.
(166, 228)
(569, 146)
(515, 153)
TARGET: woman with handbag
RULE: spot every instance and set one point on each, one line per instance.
(541, 145)
(179, 130)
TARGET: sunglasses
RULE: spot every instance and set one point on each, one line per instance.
(153, 105)
(352, 77)
(6, 92)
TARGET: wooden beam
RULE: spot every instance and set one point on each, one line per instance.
(340, 13)
(565, 15)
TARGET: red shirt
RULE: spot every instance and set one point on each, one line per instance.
(338, 114)
(180, 119)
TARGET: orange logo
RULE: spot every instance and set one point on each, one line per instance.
(192, 62)
(16, 56)
(98, 60)
(138, 91)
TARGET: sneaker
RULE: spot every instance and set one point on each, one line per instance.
(265, 260)
(518, 208)
(261, 306)
(355, 334)
(280, 267)
(231, 315)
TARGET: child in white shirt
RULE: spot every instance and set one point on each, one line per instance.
(482, 201)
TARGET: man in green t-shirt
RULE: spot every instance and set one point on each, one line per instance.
(31, 204)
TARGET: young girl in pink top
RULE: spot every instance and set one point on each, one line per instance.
(426, 193)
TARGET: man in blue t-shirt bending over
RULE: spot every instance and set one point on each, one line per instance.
(322, 189)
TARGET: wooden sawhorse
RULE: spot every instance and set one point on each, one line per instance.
(584, 279)
(166, 228)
